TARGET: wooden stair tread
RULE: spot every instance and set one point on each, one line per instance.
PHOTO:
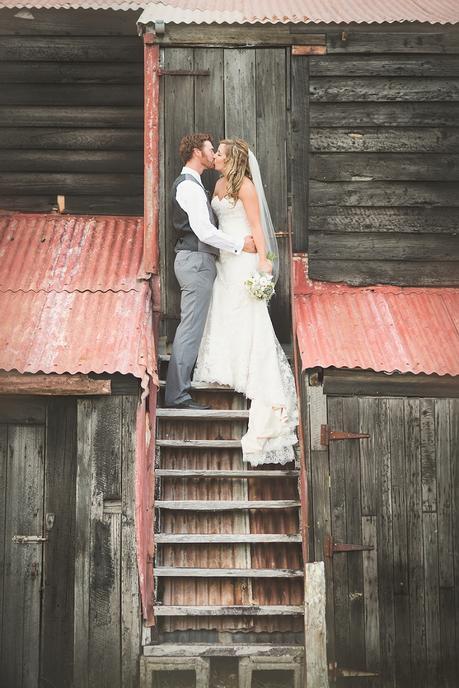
(197, 444)
(207, 473)
(208, 505)
(222, 538)
(188, 572)
(236, 610)
(208, 414)
(216, 650)
(205, 386)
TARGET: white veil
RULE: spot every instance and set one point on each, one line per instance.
(265, 216)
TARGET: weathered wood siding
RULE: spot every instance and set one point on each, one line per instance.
(391, 610)
(107, 609)
(71, 112)
(235, 100)
(381, 115)
(69, 606)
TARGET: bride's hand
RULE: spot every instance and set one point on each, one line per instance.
(265, 265)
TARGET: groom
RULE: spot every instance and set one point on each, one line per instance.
(198, 245)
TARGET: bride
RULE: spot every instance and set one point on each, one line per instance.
(239, 347)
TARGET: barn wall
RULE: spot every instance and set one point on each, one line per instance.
(71, 111)
(381, 117)
(107, 609)
(392, 608)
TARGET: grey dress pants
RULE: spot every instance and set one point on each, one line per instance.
(195, 272)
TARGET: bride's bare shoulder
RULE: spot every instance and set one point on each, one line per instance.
(247, 190)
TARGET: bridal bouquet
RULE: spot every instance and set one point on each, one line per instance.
(260, 285)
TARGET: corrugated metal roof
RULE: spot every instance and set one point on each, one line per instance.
(69, 297)
(382, 328)
(266, 12)
(301, 11)
(69, 253)
(73, 4)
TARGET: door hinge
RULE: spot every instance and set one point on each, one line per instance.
(327, 435)
(331, 547)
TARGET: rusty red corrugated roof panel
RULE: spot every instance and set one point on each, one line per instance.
(381, 328)
(266, 12)
(73, 4)
(301, 11)
(69, 297)
(69, 253)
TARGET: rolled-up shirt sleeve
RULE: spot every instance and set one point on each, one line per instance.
(195, 205)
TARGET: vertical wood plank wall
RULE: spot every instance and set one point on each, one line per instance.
(381, 117)
(107, 612)
(235, 100)
(392, 610)
(71, 112)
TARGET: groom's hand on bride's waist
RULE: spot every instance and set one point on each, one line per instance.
(249, 245)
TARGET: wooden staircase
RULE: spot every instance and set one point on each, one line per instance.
(227, 536)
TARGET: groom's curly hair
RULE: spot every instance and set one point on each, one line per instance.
(190, 142)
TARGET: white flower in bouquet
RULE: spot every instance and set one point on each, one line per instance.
(260, 285)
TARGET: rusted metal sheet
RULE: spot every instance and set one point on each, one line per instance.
(151, 155)
(381, 328)
(69, 252)
(301, 11)
(75, 4)
(78, 332)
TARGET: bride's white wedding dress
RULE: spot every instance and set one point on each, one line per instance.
(239, 348)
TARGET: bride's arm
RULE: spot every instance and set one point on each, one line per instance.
(248, 196)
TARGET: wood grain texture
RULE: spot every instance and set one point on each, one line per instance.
(389, 139)
(383, 65)
(299, 151)
(384, 115)
(402, 272)
(384, 247)
(91, 162)
(375, 88)
(382, 193)
(62, 116)
(385, 220)
(71, 49)
(22, 564)
(370, 594)
(59, 565)
(393, 42)
(371, 167)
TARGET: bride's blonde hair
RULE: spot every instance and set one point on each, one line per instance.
(236, 165)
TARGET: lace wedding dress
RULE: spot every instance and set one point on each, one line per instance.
(239, 348)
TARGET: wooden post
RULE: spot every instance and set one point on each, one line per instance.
(151, 156)
(315, 627)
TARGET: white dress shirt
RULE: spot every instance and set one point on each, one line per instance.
(195, 205)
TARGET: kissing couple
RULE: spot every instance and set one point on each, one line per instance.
(225, 332)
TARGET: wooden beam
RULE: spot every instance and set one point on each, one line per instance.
(200, 444)
(177, 572)
(175, 473)
(52, 384)
(237, 610)
(237, 35)
(206, 538)
(201, 415)
(202, 650)
(207, 505)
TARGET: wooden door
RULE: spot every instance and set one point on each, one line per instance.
(391, 606)
(21, 498)
(245, 95)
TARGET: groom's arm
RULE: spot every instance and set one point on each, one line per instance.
(194, 203)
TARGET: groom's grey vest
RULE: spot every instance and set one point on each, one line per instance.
(187, 239)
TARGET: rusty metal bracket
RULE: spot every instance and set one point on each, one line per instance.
(28, 539)
(335, 672)
(331, 547)
(184, 72)
(327, 435)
